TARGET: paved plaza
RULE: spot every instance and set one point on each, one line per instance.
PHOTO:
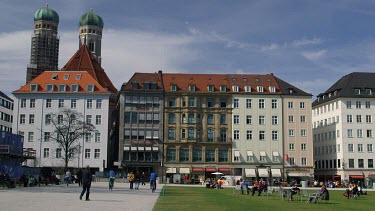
(62, 197)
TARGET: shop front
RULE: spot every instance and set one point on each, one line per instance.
(198, 175)
(185, 176)
(209, 171)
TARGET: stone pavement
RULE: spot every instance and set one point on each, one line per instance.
(62, 197)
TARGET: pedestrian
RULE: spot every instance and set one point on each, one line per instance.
(86, 183)
(131, 180)
(137, 179)
(67, 177)
(143, 178)
(79, 177)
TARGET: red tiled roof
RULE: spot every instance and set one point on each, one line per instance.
(84, 60)
(142, 78)
(58, 77)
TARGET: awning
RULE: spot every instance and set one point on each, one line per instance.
(356, 176)
(184, 170)
(133, 148)
(250, 153)
(276, 154)
(276, 173)
(148, 148)
(126, 148)
(224, 169)
(262, 153)
(298, 174)
(197, 169)
(171, 170)
(210, 169)
(236, 153)
(155, 148)
(250, 173)
(263, 172)
(141, 149)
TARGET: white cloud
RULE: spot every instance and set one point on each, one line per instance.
(304, 41)
(314, 55)
(270, 47)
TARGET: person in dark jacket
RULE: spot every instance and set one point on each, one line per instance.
(86, 183)
(137, 180)
(79, 177)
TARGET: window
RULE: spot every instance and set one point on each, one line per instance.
(58, 152)
(78, 77)
(361, 163)
(359, 133)
(191, 133)
(303, 161)
(274, 120)
(262, 120)
(263, 158)
(261, 103)
(223, 103)
(292, 147)
(351, 163)
(46, 152)
(98, 103)
(97, 153)
(348, 104)
(290, 104)
(291, 161)
(248, 103)
(350, 133)
(73, 103)
(210, 102)
(357, 91)
(368, 119)
(235, 103)
(368, 104)
(31, 119)
(272, 89)
(33, 87)
(223, 88)
(89, 103)
(236, 155)
(369, 147)
(49, 87)
(249, 135)
(98, 120)
(47, 119)
(171, 118)
(236, 134)
(210, 135)
(223, 135)
(303, 118)
(249, 156)
(61, 103)
(370, 163)
(274, 103)
(173, 87)
(302, 105)
(360, 147)
(349, 118)
(359, 118)
(191, 102)
(87, 153)
(291, 132)
(97, 137)
(223, 119)
(236, 119)
(235, 88)
(249, 119)
(291, 118)
(210, 88)
(350, 148)
(62, 88)
(32, 103)
(210, 119)
(74, 88)
(48, 103)
(303, 132)
(171, 133)
(88, 119)
(30, 137)
(210, 155)
(197, 155)
(23, 103)
(274, 135)
(369, 133)
(303, 147)
(358, 104)
(262, 135)
(368, 92)
(90, 87)
(223, 155)
(260, 88)
(247, 88)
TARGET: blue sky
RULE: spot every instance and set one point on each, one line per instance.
(310, 44)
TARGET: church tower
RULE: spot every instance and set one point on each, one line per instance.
(44, 43)
(90, 33)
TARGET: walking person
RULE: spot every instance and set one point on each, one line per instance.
(143, 178)
(153, 181)
(131, 180)
(112, 177)
(79, 177)
(86, 183)
(137, 180)
(68, 175)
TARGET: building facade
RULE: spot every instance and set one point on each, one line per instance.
(141, 106)
(343, 129)
(6, 113)
(44, 43)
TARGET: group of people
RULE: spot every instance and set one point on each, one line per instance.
(353, 190)
(214, 183)
(258, 186)
(138, 178)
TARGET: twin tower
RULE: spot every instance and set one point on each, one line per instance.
(45, 40)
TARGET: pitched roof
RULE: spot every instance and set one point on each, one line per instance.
(142, 79)
(84, 60)
(288, 89)
(67, 78)
(5, 96)
(346, 86)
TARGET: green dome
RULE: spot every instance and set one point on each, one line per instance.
(91, 18)
(46, 14)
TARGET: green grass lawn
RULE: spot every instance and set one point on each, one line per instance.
(197, 198)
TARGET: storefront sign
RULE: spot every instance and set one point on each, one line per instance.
(224, 169)
(196, 169)
(210, 169)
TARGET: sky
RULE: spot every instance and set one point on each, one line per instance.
(308, 43)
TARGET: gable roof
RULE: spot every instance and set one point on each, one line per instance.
(57, 78)
(141, 79)
(346, 86)
(288, 89)
(84, 60)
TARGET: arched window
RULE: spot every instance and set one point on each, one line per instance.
(91, 46)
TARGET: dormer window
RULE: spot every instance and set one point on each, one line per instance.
(234, 79)
(54, 77)
(90, 87)
(235, 88)
(135, 85)
(334, 93)
(192, 88)
(174, 87)
(368, 92)
(247, 88)
(210, 88)
(260, 88)
(62, 87)
(78, 77)
(66, 77)
(146, 86)
(318, 100)
(74, 88)
(256, 79)
(33, 87)
(244, 79)
(357, 91)
(272, 89)
(291, 91)
(49, 87)
(329, 95)
(154, 86)
(223, 88)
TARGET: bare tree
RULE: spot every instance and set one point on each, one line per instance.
(69, 127)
